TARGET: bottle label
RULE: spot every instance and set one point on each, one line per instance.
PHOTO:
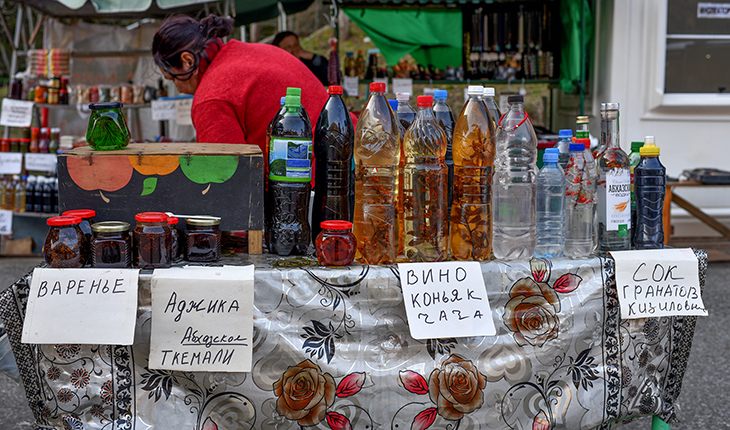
(290, 159)
(614, 203)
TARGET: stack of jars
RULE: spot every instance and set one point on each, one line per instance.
(74, 240)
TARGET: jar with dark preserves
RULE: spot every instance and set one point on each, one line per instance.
(176, 245)
(152, 241)
(335, 244)
(87, 218)
(111, 245)
(63, 246)
(203, 240)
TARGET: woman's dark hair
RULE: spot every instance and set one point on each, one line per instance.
(281, 36)
(181, 33)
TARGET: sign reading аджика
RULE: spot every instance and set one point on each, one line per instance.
(658, 283)
(446, 300)
(85, 306)
(202, 319)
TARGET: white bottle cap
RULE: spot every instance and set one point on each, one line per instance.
(489, 92)
(402, 97)
(475, 90)
(649, 140)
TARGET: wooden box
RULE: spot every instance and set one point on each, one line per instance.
(183, 178)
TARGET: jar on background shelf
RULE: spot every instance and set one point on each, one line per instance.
(111, 246)
(152, 239)
(87, 218)
(63, 248)
(335, 244)
(203, 240)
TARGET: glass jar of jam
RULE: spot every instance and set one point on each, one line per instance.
(203, 240)
(111, 245)
(87, 218)
(335, 244)
(63, 245)
(152, 241)
(176, 251)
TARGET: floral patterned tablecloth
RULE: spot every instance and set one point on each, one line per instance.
(332, 350)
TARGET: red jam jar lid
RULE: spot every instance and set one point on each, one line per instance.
(424, 101)
(62, 221)
(81, 213)
(377, 87)
(151, 217)
(173, 220)
(336, 225)
(334, 89)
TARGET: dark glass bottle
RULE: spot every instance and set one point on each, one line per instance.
(47, 197)
(290, 174)
(650, 178)
(333, 144)
(30, 194)
(38, 194)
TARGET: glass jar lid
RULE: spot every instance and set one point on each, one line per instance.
(110, 227)
(105, 105)
(62, 221)
(203, 222)
(81, 213)
(336, 225)
(173, 220)
(151, 217)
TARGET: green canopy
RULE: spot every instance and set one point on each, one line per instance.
(118, 8)
(430, 36)
(576, 42)
(249, 11)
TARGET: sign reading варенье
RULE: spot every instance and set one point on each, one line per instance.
(84, 306)
(446, 300)
(658, 283)
(202, 319)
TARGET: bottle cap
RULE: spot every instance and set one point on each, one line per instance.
(649, 149)
(60, 221)
(424, 101)
(577, 147)
(173, 220)
(582, 119)
(293, 91)
(293, 101)
(636, 146)
(565, 133)
(151, 216)
(403, 97)
(336, 225)
(586, 143)
(610, 106)
(377, 87)
(440, 95)
(475, 90)
(334, 89)
(515, 99)
(550, 155)
(282, 101)
(80, 213)
(489, 92)
(393, 104)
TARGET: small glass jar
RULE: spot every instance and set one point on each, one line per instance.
(203, 240)
(87, 218)
(335, 244)
(152, 241)
(107, 129)
(111, 246)
(176, 251)
(63, 248)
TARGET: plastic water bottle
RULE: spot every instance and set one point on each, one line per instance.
(550, 195)
(445, 118)
(491, 104)
(405, 113)
(650, 177)
(565, 137)
(580, 190)
(515, 170)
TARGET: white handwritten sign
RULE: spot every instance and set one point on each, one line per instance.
(6, 222)
(446, 300)
(163, 110)
(658, 283)
(41, 162)
(85, 306)
(16, 113)
(11, 163)
(403, 85)
(202, 319)
(351, 85)
(182, 111)
(713, 10)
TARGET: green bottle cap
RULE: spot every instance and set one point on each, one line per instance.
(623, 230)
(292, 91)
(293, 101)
(636, 146)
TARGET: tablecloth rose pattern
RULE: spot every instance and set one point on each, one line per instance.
(332, 350)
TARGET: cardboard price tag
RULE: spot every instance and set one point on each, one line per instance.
(351, 85)
(84, 306)
(6, 222)
(16, 113)
(445, 300)
(163, 110)
(182, 111)
(41, 162)
(658, 283)
(11, 163)
(403, 85)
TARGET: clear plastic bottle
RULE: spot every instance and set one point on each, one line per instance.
(565, 137)
(634, 159)
(377, 159)
(580, 188)
(651, 181)
(614, 186)
(10, 193)
(470, 235)
(491, 104)
(515, 171)
(445, 118)
(425, 178)
(405, 113)
(550, 196)
(20, 195)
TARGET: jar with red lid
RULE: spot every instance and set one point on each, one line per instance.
(152, 239)
(63, 248)
(87, 218)
(176, 245)
(335, 244)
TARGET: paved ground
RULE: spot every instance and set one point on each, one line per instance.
(704, 401)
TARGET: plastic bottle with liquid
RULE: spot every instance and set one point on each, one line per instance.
(565, 137)
(30, 193)
(47, 196)
(470, 229)
(550, 198)
(20, 195)
(290, 174)
(491, 104)
(445, 118)
(405, 113)
(377, 160)
(634, 159)
(579, 206)
(614, 186)
(425, 178)
(38, 194)
(333, 145)
(10, 193)
(651, 181)
(515, 172)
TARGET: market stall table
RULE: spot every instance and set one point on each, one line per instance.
(332, 347)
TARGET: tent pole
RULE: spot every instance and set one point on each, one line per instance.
(14, 56)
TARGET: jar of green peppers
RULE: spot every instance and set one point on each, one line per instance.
(107, 130)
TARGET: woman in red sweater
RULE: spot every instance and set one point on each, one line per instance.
(236, 86)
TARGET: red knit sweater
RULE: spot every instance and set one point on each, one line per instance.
(240, 89)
